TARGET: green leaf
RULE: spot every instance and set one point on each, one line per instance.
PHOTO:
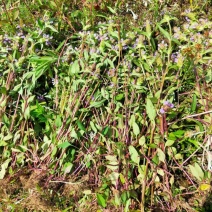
(64, 145)
(155, 159)
(74, 134)
(151, 112)
(101, 200)
(3, 143)
(60, 46)
(3, 90)
(111, 10)
(142, 140)
(97, 104)
(124, 196)
(164, 32)
(52, 28)
(127, 206)
(74, 68)
(122, 178)
(152, 41)
(15, 15)
(40, 23)
(179, 133)
(40, 70)
(52, 4)
(134, 154)
(93, 127)
(27, 113)
(161, 155)
(153, 146)
(178, 156)
(17, 87)
(169, 142)
(105, 130)
(119, 97)
(58, 122)
(194, 103)
(80, 125)
(67, 167)
(148, 29)
(132, 120)
(136, 129)
(197, 171)
(8, 137)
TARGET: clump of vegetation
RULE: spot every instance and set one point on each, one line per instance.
(106, 112)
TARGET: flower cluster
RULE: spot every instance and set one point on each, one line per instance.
(7, 42)
(20, 33)
(167, 106)
(47, 39)
(162, 46)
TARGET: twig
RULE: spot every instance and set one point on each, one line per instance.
(14, 116)
(70, 183)
(191, 116)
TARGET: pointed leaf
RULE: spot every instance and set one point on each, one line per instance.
(136, 129)
(80, 125)
(134, 154)
(196, 171)
(64, 145)
(164, 32)
(161, 155)
(101, 200)
(151, 112)
(4, 166)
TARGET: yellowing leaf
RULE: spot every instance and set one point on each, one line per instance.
(161, 155)
(142, 140)
(134, 154)
(169, 143)
(204, 187)
(122, 179)
(87, 192)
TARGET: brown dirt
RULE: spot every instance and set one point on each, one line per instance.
(27, 191)
(22, 191)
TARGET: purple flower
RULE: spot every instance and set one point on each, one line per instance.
(92, 50)
(162, 111)
(111, 72)
(48, 43)
(174, 56)
(111, 84)
(187, 19)
(125, 47)
(169, 104)
(20, 34)
(162, 45)
(176, 35)
(187, 11)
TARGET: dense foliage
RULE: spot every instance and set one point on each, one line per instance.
(111, 96)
